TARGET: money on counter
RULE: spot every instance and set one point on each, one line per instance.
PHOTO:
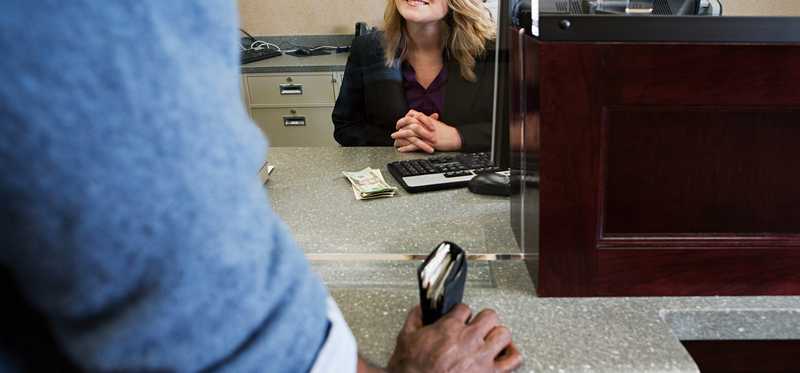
(369, 184)
(265, 171)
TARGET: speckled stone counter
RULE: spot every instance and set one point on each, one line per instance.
(292, 64)
(579, 335)
(555, 335)
(310, 193)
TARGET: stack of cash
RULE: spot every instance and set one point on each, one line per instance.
(369, 184)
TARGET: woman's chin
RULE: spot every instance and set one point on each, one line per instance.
(419, 17)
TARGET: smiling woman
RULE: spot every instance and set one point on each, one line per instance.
(423, 84)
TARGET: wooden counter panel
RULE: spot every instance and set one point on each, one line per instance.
(698, 272)
(745, 356)
(668, 169)
(696, 170)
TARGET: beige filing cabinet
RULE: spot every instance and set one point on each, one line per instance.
(293, 109)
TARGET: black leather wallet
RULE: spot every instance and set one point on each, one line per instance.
(453, 287)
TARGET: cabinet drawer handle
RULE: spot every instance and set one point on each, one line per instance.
(294, 121)
(291, 89)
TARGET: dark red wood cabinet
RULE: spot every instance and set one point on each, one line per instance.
(745, 356)
(665, 168)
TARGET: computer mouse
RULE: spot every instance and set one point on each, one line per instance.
(490, 183)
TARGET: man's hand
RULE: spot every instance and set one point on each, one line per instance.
(454, 344)
(417, 131)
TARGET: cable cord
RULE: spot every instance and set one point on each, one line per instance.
(258, 44)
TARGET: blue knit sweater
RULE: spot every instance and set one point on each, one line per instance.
(135, 234)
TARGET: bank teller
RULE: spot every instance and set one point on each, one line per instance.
(423, 84)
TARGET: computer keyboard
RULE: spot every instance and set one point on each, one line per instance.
(253, 55)
(441, 172)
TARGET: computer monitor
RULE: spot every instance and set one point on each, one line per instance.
(500, 150)
(682, 21)
(511, 15)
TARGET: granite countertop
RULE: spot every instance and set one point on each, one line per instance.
(310, 193)
(354, 246)
(292, 64)
(311, 64)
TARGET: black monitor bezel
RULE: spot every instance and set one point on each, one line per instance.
(501, 150)
(559, 27)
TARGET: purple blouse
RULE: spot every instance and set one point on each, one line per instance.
(427, 101)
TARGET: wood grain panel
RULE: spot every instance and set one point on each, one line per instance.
(695, 74)
(745, 356)
(701, 170)
(669, 169)
(693, 272)
(569, 82)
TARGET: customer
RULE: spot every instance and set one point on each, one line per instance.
(135, 235)
(425, 83)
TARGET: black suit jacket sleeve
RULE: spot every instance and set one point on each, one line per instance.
(352, 127)
(468, 105)
(475, 136)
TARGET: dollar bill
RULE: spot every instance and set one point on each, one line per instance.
(369, 184)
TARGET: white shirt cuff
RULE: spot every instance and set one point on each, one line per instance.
(339, 353)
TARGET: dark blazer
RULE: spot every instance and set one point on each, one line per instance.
(371, 99)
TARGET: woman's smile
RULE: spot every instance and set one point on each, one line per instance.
(417, 3)
(422, 11)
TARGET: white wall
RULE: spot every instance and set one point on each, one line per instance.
(316, 17)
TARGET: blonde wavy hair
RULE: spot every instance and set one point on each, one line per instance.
(468, 26)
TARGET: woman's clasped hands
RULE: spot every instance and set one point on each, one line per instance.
(419, 132)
